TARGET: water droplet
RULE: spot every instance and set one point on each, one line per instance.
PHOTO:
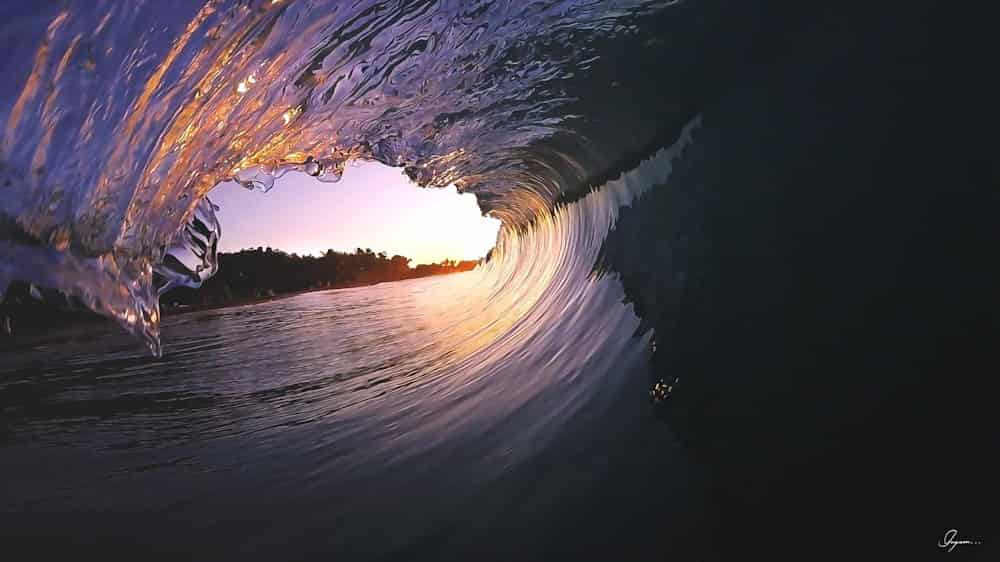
(313, 167)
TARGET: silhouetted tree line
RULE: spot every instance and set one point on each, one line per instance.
(260, 272)
(243, 276)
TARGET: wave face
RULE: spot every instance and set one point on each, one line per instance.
(123, 116)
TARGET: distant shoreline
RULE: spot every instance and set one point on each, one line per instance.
(63, 325)
(245, 301)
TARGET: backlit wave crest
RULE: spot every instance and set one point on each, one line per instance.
(114, 133)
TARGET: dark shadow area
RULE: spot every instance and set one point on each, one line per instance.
(818, 274)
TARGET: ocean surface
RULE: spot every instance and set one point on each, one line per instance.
(383, 422)
(785, 209)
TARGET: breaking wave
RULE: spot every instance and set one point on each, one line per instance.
(122, 118)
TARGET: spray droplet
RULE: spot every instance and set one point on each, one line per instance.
(313, 167)
(258, 178)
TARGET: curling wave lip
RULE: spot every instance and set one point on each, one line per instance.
(120, 119)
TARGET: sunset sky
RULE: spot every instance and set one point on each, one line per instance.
(373, 206)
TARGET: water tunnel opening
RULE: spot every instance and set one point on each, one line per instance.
(374, 206)
(374, 225)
